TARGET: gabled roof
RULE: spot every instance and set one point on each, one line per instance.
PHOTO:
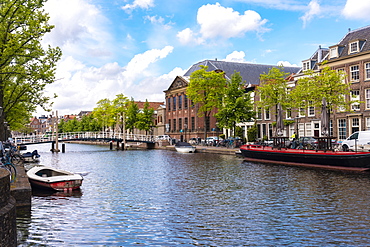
(154, 105)
(179, 82)
(362, 34)
(250, 72)
(317, 57)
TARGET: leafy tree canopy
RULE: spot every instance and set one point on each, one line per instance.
(26, 67)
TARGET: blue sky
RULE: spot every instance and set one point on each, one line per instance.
(138, 47)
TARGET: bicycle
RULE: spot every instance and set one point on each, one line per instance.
(6, 164)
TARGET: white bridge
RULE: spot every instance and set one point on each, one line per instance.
(83, 136)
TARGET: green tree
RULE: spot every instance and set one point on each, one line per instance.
(104, 113)
(26, 67)
(236, 104)
(145, 118)
(206, 89)
(132, 113)
(273, 89)
(120, 104)
(328, 84)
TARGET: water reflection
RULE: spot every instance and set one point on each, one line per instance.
(163, 198)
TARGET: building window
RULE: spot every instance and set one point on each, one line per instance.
(180, 101)
(289, 113)
(174, 125)
(353, 47)
(367, 98)
(259, 113)
(186, 124)
(311, 110)
(367, 122)
(334, 52)
(185, 101)
(355, 73)
(355, 122)
(355, 95)
(367, 71)
(192, 123)
(308, 129)
(267, 114)
(169, 104)
(180, 124)
(174, 103)
(302, 112)
(169, 125)
(342, 129)
(306, 65)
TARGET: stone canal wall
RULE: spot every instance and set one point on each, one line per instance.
(8, 227)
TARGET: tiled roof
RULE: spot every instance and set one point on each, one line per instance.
(154, 105)
(250, 72)
(358, 34)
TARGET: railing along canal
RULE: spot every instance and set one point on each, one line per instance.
(107, 136)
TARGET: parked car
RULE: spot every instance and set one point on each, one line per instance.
(307, 142)
(359, 140)
(212, 140)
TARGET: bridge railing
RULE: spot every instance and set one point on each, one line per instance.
(81, 135)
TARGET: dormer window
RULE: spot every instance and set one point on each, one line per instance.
(354, 47)
(306, 65)
(334, 52)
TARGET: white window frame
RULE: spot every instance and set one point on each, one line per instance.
(354, 47)
(355, 73)
(355, 122)
(334, 52)
(355, 95)
(367, 123)
(306, 65)
(367, 98)
(302, 112)
(311, 110)
(267, 114)
(342, 128)
(367, 71)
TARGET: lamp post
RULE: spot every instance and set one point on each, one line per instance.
(185, 127)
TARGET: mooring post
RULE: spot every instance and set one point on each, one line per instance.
(52, 146)
(111, 145)
(63, 148)
(117, 145)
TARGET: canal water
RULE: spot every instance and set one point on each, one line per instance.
(164, 198)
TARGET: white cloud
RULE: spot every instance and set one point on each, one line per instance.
(357, 9)
(286, 64)
(187, 36)
(314, 9)
(236, 56)
(143, 4)
(80, 87)
(80, 29)
(217, 21)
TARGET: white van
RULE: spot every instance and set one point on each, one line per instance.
(358, 141)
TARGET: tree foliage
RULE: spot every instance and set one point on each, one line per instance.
(26, 67)
(236, 104)
(328, 84)
(273, 89)
(206, 89)
(132, 113)
(145, 118)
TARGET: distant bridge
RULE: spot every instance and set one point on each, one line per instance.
(83, 136)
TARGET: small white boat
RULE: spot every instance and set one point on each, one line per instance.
(51, 178)
(184, 147)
